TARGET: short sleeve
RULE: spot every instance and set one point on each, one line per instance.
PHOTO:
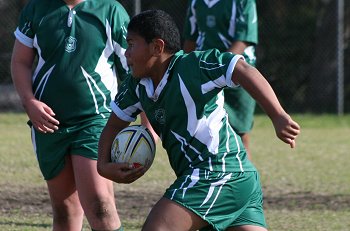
(126, 104)
(247, 22)
(218, 67)
(24, 32)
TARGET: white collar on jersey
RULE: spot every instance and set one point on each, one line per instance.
(147, 82)
(151, 93)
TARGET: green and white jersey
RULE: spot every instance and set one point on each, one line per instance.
(80, 54)
(187, 111)
(218, 23)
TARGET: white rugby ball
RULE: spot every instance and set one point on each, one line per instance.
(134, 145)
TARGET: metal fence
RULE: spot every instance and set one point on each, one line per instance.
(304, 49)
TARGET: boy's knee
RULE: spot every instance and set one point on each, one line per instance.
(103, 216)
(64, 214)
(103, 209)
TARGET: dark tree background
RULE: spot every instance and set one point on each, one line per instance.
(296, 52)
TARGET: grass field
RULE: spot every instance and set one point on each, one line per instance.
(307, 188)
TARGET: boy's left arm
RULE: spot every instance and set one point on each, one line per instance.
(257, 86)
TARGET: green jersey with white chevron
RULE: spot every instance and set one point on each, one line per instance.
(218, 23)
(186, 110)
(80, 54)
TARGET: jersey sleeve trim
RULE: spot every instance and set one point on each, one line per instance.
(23, 38)
(230, 70)
(120, 113)
(247, 29)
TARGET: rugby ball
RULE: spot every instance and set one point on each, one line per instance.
(134, 145)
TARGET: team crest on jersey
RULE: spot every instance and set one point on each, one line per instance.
(71, 44)
(211, 21)
(159, 115)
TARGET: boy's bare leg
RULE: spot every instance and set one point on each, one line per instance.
(170, 216)
(247, 228)
(67, 211)
(96, 195)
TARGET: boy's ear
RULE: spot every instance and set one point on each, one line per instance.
(158, 47)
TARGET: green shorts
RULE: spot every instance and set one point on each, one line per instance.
(222, 199)
(51, 148)
(240, 107)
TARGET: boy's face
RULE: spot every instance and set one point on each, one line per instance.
(139, 55)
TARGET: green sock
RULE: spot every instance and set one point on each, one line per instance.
(119, 229)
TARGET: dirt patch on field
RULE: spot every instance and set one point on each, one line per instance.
(307, 201)
(137, 204)
(35, 200)
(24, 200)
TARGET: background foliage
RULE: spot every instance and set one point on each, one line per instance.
(296, 52)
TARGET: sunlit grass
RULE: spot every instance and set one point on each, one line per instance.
(306, 188)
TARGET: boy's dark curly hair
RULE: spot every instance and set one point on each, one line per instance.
(157, 24)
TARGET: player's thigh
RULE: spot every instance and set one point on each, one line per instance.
(92, 187)
(51, 150)
(171, 216)
(62, 190)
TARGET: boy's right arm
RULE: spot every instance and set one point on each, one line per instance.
(41, 115)
(117, 172)
(258, 87)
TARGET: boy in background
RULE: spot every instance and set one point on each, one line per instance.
(232, 26)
